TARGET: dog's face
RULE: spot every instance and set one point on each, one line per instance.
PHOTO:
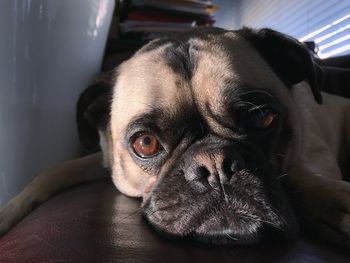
(203, 127)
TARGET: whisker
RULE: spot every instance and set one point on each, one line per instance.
(282, 176)
(246, 103)
(231, 237)
(261, 220)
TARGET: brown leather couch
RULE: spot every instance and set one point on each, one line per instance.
(96, 223)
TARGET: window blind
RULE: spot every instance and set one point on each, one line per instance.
(325, 22)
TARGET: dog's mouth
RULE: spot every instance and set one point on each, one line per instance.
(239, 212)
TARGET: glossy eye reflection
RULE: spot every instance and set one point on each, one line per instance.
(261, 119)
(146, 145)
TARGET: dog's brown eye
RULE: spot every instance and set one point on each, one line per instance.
(146, 145)
(261, 119)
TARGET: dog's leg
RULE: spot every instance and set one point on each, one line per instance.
(49, 183)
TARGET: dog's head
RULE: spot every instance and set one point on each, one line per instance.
(203, 127)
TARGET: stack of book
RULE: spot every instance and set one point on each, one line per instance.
(155, 18)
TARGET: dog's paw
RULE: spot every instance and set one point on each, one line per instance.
(327, 213)
(12, 213)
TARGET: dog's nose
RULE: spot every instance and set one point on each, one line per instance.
(213, 169)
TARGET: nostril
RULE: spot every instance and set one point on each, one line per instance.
(198, 175)
(231, 166)
(227, 165)
(202, 171)
(234, 166)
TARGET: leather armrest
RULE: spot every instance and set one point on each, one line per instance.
(96, 223)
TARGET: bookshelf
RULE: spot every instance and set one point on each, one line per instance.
(135, 22)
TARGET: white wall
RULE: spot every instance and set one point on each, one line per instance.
(227, 16)
(49, 51)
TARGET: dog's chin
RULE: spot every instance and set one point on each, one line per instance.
(243, 232)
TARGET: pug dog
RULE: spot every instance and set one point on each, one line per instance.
(225, 135)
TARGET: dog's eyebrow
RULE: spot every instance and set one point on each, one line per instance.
(145, 120)
(246, 96)
(169, 124)
(158, 120)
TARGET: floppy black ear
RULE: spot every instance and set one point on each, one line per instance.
(93, 109)
(288, 57)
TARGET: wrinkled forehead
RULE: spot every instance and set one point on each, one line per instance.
(146, 80)
(196, 71)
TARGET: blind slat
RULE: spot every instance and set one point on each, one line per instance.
(300, 18)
